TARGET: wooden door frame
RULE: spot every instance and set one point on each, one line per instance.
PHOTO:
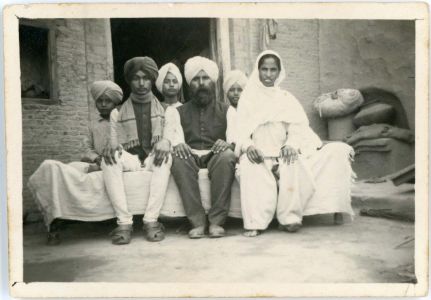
(219, 40)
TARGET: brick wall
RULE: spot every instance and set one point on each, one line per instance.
(58, 131)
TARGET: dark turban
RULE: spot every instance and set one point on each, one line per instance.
(145, 64)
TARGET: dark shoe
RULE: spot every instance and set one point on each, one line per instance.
(197, 232)
(122, 234)
(216, 231)
(154, 231)
(291, 227)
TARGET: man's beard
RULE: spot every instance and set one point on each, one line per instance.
(203, 96)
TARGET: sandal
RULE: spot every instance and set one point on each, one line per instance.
(122, 234)
(154, 231)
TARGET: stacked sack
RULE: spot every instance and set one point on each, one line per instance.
(371, 123)
(339, 108)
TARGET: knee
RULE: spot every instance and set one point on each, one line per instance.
(228, 156)
(116, 164)
(177, 163)
(167, 163)
(246, 165)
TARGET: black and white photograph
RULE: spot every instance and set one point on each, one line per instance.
(215, 145)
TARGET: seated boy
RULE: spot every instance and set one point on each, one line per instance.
(53, 181)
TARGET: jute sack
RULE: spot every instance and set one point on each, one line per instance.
(338, 103)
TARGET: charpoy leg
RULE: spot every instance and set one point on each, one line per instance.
(258, 193)
(221, 171)
(185, 173)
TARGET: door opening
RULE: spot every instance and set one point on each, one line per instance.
(163, 39)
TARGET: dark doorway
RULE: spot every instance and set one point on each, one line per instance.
(164, 39)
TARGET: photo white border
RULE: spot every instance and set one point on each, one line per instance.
(381, 11)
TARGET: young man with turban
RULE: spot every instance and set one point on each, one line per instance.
(169, 83)
(274, 133)
(136, 138)
(233, 85)
(197, 131)
(67, 179)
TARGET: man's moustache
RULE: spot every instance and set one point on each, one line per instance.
(206, 90)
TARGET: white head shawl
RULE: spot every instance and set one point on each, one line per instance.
(198, 63)
(232, 77)
(260, 104)
(171, 68)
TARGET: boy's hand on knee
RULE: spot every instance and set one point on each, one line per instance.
(108, 154)
(161, 152)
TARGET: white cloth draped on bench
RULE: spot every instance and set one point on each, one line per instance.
(65, 191)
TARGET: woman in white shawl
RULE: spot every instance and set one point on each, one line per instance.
(275, 140)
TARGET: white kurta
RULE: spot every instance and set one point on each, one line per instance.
(231, 130)
(317, 183)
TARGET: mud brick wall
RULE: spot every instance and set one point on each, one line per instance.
(324, 55)
(364, 53)
(58, 131)
(297, 42)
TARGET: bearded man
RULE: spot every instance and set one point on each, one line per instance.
(197, 132)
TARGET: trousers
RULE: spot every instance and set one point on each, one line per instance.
(113, 178)
(318, 184)
(221, 172)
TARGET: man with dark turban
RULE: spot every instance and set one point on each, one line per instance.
(197, 131)
(67, 180)
(136, 140)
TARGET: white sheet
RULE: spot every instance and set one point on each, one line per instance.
(65, 191)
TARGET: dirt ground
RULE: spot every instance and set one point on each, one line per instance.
(361, 251)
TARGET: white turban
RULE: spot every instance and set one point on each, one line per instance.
(108, 88)
(171, 68)
(232, 77)
(198, 63)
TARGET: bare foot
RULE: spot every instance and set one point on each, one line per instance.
(251, 233)
(338, 219)
(294, 227)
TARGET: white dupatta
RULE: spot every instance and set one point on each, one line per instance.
(260, 104)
